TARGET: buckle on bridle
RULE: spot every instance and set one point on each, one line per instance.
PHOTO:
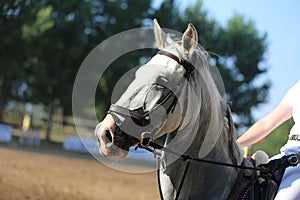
(145, 139)
(293, 160)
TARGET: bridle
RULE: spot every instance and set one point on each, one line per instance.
(168, 101)
(189, 68)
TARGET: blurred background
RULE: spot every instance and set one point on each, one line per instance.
(254, 44)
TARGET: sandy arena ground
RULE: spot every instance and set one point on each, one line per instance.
(28, 175)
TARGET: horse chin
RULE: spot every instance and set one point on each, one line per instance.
(113, 152)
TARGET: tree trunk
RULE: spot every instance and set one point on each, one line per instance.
(1, 109)
(2, 103)
(50, 121)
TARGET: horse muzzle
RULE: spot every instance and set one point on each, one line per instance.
(112, 141)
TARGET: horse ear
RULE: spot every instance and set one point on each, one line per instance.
(190, 39)
(160, 36)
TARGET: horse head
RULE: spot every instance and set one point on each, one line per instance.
(150, 107)
(176, 93)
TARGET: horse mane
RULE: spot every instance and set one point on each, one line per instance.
(203, 95)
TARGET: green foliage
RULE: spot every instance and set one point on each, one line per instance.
(43, 43)
(57, 35)
(275, 140)
(242, 64)
(42, 23)
(13, 52)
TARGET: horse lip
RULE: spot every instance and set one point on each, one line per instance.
(113, 151)
(121, 154)
(118, 154)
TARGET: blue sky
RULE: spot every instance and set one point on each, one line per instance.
(280, 20)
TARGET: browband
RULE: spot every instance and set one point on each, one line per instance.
(189, 68)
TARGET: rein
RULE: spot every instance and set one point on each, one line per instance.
(155, 146)
(149, 145)
(169, 102)
(272, 169)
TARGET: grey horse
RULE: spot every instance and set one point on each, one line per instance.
(175, 95)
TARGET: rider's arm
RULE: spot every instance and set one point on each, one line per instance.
(264, 126)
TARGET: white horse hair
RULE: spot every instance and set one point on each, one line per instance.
(202, 126)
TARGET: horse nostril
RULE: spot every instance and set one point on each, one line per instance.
(108, 138)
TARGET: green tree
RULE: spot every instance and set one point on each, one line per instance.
(244, 62)
(13, 64)
(44, 43)
(119, 16)
(57, 45)
(237, 50)
(62, 34)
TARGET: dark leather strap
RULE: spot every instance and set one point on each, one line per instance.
(189, 68)
(125, 112)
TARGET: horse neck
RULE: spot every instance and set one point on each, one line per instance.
(223, 151)
(226, 145)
